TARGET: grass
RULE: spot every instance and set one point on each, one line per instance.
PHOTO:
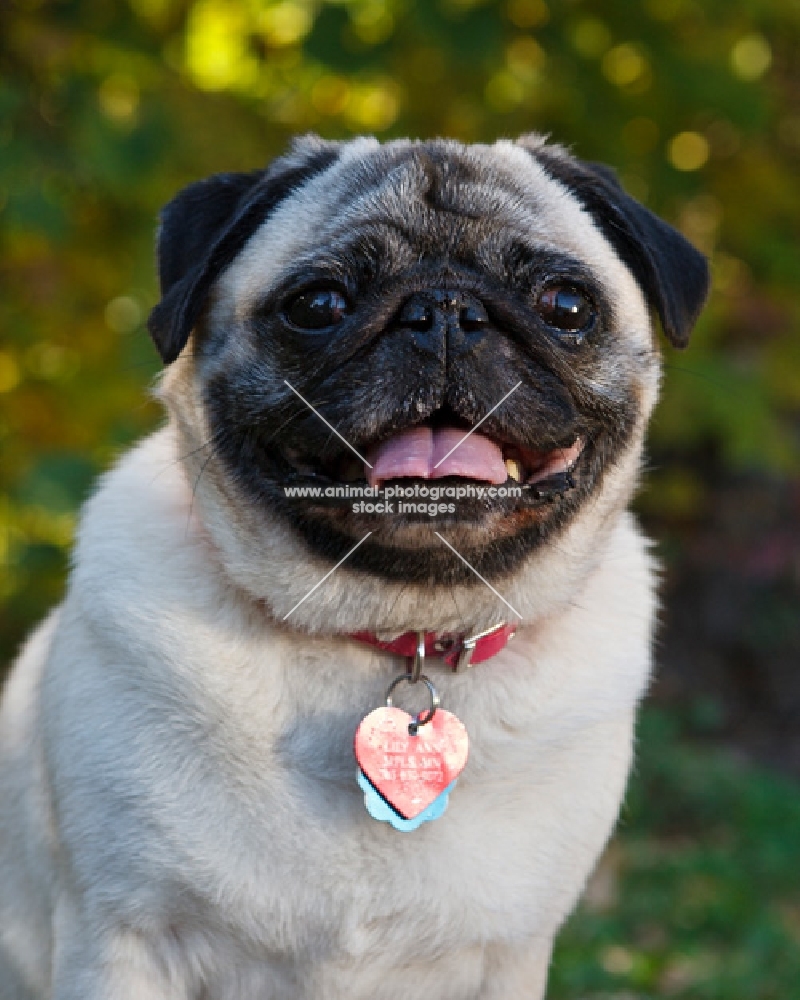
(698, 897)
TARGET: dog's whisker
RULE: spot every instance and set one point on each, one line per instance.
(704, 376)
(194, 492)
(285, 423)
(217, 436)
(459, 612)
(393, 605)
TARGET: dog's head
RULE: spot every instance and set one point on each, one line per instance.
(346, 316)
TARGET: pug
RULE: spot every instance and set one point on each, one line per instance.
(183, 816)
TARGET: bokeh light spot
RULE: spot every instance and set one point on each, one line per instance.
(729, 274)
(51, 361)
(330, 95)
(372, 22)
(525, 57)
(591, 37)
(688, 151)
(751, 57)
(617, 961)
(9, 372)
(217, 54)
(123, 314)
(373, 106)
(504, 92)
(285, 23)
(156, 12)
(699, 220)
(665, 10)
(118, 96)
(527, 13)
(624, 65)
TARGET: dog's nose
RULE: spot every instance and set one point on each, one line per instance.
(440, 321)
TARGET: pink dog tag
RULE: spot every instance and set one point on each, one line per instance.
(410, 769)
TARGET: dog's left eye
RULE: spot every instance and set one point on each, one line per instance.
(317, 309)
(566, 308)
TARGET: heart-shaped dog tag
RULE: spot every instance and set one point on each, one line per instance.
(410, 770)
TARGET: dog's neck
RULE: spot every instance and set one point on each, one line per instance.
(458, 650)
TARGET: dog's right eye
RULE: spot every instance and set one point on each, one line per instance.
(318, 309)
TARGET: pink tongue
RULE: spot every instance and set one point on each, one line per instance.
(417, 452)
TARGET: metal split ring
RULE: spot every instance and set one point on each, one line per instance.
(415, 667)
(422, 718)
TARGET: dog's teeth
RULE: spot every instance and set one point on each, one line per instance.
(514, 469)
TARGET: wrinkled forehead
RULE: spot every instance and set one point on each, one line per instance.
(434, 194)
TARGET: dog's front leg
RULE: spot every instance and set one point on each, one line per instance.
(516, 972)
(116, 964)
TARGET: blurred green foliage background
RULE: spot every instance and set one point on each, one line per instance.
(107, 108)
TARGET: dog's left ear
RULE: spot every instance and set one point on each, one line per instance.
(207, 225)
(673, 275)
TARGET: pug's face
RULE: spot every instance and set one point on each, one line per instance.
(416, 315)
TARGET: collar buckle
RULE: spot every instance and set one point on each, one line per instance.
(468, 645)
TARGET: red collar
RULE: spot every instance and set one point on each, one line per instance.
(457, 649)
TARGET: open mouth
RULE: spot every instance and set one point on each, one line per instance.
(432, 451)
(499, 496)
(426, 452)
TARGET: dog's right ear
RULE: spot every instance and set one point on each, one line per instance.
(207, 225)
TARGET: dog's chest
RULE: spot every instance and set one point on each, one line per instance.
(311, 872)
(330, 889)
